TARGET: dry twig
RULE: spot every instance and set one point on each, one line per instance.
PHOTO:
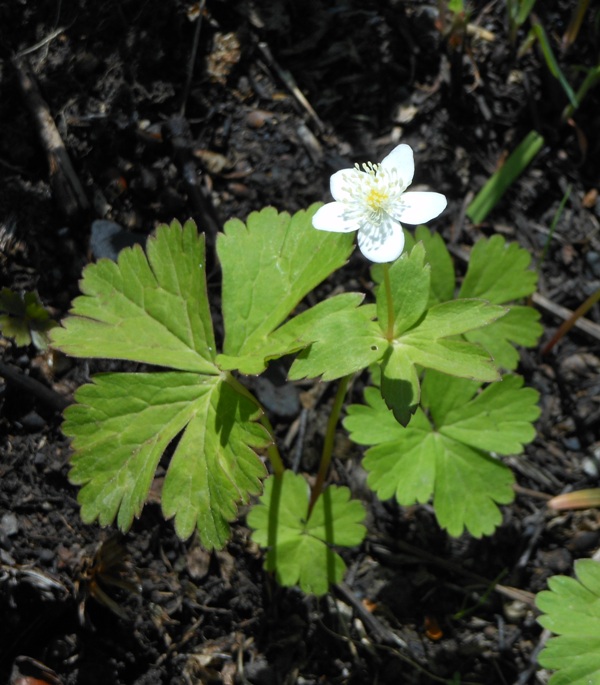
(65, 183)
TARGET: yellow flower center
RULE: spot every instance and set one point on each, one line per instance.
(376, 198)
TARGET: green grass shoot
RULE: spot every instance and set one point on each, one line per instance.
(501, 180)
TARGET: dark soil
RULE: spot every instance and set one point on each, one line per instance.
(418, 606)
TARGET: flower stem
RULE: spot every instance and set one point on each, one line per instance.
(329, 440)
(272, 449)
(390, 302)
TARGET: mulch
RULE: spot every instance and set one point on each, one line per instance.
(118, 116)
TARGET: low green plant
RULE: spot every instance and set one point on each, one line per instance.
(538, 31)
(518, 12)
(491, 193)
(24, 318)
(571, 609)
(436, 415)
(577, 16)
(591, 78)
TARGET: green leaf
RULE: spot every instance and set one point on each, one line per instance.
(269, 264)
(300, 550)
(440, 403)
(400, 385)
(453, 318)
(520, 326)
(486, 481)
(447, 460)
(409, 281)
(345, 342)
(401, 463)
(154, 309)
(425, 344)
(501, 180)
(25, 318)
(498, 272)
(443, 278)
(499, 419)
(572, 610)
(151, 309)
(322, 323)
(122, 424)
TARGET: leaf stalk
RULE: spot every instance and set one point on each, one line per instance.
(272, 449)
(327, 452)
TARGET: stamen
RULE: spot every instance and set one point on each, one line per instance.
(376, 197)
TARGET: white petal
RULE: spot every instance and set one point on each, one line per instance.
(401, 159)
(382, 244)
(416, 208)
(330, 217)
(342, 182)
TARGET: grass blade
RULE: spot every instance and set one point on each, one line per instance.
(540, 34)
(501, 180)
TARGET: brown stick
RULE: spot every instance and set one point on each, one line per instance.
(49, 397)
(66, 187)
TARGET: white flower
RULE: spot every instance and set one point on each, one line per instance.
(371, 200)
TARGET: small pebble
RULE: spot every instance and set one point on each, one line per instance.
(108, 239)
(584, 541)
(259, 672)
(259, 117)
(46, 556)
(515, 610)
(33, 422)
(590, 287)
(557, 560)
(9, 524)
(573, 444)
(590, 467)
(593, 260)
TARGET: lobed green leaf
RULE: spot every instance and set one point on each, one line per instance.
(498, 272)
(123, 423)
(400, 386)
(453, 318)
(24, 318)
(269, 264)
(345, 342)
(572, 610)
(469, 486)
(300, 547)
(410, 282)
(521, 326)
(151, 309)
(447, 460)
(311, 325)
(430, 344)
(499, 419)
(453, 357)
(443, 277)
